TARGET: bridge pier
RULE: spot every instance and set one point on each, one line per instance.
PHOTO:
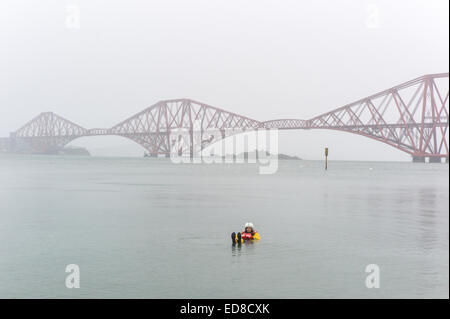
(418, 159)
(156, 154)
(435, 160)
(431, 159)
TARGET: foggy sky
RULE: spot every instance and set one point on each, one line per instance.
(262, 59)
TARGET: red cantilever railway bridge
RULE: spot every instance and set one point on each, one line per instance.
(412, 117)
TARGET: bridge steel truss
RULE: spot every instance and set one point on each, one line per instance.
(412, 117)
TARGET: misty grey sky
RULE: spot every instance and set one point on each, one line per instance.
(262, 59)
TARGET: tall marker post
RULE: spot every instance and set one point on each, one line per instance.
(326, 158)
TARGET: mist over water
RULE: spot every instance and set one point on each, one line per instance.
(148, 228)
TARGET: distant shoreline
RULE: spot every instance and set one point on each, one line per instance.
(247, 155)
(281, 156)
(77, 151)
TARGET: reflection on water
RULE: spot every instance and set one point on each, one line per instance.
(247, 248)
(235, 249)
(427, 210)
(149, 228)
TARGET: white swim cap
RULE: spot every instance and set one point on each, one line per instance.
(249, 225)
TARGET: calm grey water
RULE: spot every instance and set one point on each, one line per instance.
(147, 228)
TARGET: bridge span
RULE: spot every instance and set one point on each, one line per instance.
(412, 117)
